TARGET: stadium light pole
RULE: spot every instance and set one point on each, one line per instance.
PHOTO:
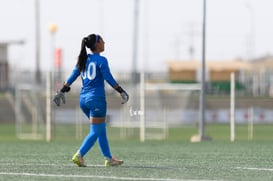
(201, 135)
(134, 74)
(52, 27)
(135, 43)
(37, 47)
(202, 93)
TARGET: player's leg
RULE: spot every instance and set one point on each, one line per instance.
(87, 144)
(89, 140)
(88, 107)
(100, 114)
(105, 149)
(103, 142)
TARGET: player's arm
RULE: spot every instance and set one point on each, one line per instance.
(73, 76)
(107, 75)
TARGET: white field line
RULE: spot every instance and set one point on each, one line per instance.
(46, 164)
(83, 176)
(93, 176)
(252, 168)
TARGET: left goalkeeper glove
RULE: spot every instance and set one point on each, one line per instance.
(60, 95)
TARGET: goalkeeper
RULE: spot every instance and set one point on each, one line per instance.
(93, 69)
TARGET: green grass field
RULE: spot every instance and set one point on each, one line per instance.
(173, 159)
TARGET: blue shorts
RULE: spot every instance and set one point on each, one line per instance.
(95, 107)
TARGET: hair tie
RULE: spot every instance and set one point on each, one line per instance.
(97, 38)
(85, 40)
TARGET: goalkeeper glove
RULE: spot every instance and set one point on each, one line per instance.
(123, 94)
(60, 95)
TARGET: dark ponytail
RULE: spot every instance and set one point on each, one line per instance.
(89, 42)
(82, 56)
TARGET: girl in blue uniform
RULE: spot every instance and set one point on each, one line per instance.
(94, 70)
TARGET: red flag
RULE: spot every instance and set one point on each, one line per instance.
(58, 58)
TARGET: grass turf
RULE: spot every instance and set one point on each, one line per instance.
(173, 159)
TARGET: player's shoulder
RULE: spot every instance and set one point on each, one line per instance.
(103, 59)
(97, 56)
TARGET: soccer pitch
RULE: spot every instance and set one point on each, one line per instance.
(172, 159)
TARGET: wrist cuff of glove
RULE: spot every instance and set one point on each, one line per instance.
(65, 89)
(119, 89)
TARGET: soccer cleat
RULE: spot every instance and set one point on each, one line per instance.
(112, 162)
(78, 160)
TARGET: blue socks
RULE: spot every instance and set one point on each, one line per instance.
(103, 143)
(97, 131)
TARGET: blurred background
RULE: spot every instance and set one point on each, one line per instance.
(154, 49)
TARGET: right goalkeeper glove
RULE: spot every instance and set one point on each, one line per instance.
(123, 94)
(60, 95)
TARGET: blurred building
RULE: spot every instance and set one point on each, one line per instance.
(4, 67)
(262, 75)
(264, 63)
(4, 64)
(190, 71)
(255, 77)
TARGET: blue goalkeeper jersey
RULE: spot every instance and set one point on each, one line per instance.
(96, 71)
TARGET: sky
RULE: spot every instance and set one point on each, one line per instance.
(167, 29)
